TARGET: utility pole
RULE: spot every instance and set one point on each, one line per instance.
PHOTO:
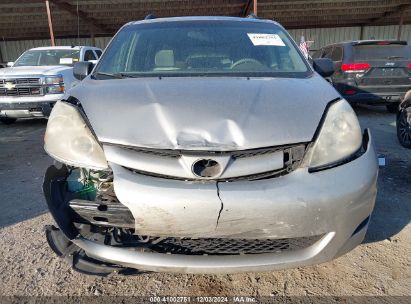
(92, 37)
(361, 32)
(400, 25)
(255, 7)
(50, 23)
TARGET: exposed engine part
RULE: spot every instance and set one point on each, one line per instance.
(61, 186)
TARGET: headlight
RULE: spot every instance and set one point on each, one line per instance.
(54, 79)
(339, 138)
(54, 84)
(69, 140)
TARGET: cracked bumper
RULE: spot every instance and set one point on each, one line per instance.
(335, 203)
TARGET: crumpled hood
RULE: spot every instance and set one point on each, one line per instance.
(33, 70)
(200, 113)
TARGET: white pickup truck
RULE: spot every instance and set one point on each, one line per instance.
(30, 86)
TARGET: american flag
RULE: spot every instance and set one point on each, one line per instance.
(304, 46)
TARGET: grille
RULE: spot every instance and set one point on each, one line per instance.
(217, 246)
(257, 176)
(21, 81)
(22, 87)
(28, 91)
(236, 154)
(160, 153)
(293, 155)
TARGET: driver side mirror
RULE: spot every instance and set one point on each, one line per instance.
(82, 69)
(324, 66)
(10, 64)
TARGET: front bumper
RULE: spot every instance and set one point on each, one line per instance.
(335, 203)
(27, 107)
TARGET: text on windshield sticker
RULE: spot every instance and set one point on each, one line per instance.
(266, 39)
(66, 60)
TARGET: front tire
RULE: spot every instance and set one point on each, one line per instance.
(404, 129)
(393, 107)
(8, 120)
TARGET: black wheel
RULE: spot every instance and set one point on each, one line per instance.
(393, 107)
(404, 129)
(8, 120)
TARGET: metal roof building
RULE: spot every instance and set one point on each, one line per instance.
(29, 23)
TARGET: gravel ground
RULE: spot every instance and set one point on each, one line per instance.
(28, 267)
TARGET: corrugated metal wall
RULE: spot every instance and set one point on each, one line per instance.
(11, 50)
(324, 36)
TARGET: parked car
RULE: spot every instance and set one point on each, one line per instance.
(39, 77)
(370, 71)
(206, 145)
(404, 121)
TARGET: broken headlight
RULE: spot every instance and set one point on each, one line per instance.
(69, 140)
(339, 138)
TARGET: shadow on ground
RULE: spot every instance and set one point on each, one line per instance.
(22, 165)
(392, 210)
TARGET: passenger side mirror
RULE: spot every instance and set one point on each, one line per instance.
(324, 66)
(10, 64)
(82, 69)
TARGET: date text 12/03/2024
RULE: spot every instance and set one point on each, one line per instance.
(202, 299)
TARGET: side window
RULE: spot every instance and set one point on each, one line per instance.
(89, 55)
(327, 52)
(317, 54)
(98, 53)
(337, 54)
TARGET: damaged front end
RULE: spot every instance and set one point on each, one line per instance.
(85, 207)
(121, 207)
(80, 198)
(156, 218)
(82, 203)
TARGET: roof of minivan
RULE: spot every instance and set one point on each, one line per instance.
(352, 42)
(203, 18)
(60, 47)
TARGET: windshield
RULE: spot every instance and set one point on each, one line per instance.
(202, 48)
(390, 51)
(48, 57)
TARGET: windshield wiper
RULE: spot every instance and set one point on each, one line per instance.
(117, 75)
(395, 57)
(111, 75)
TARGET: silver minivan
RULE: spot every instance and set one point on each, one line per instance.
(206, 145)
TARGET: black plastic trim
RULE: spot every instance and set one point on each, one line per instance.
(322, 120)
(179, 152)
(56, 198)
(77, 104)
(362, 225)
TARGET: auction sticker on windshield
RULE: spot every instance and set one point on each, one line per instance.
(266, 39)
(66, 60)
